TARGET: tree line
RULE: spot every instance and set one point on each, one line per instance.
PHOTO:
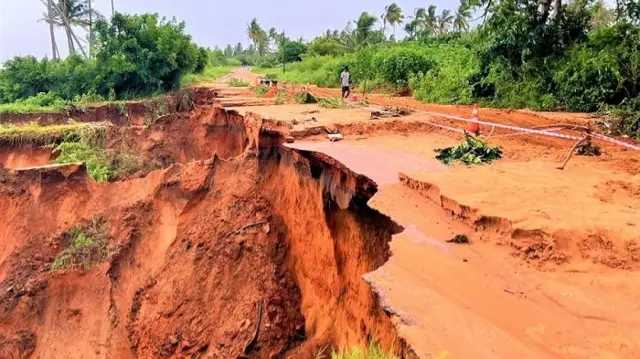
(545, 55)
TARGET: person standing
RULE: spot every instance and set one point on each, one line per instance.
(345, 80)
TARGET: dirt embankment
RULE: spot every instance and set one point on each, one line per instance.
(258, 255)
(121, 113)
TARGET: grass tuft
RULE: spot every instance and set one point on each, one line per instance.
(373, 351)
(33, 133)
(235, 82)
(85, 246)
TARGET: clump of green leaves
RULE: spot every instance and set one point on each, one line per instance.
(304, 97)
(95, 158)
(261, 90)
(333, 102)
(235, 82)
(470, 151)
(85, 246)
(281, 97)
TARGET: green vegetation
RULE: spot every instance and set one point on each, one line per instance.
(305, 97)
(135, 56)
(470, 151)
(373, 351)
(333, 102)
(234, 82)
(34, 133)
(210, 74)
(85, 246)
(544, 55)
(261, 90)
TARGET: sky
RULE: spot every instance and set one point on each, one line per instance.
(210, 22)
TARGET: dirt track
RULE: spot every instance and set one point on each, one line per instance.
(229, 233)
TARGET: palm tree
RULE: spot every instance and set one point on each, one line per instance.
(431, 19)
(254, 31)
(462, 17)
(364, 27)
(52, 35)
(392, 15)
(70, 13)
(445, 20)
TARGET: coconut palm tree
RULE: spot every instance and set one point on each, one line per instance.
(431, 19)
(462, 17)
(444, 21)
(258, 36)
(393, 16)
(52, 35)
(70, 13)
(364, 28)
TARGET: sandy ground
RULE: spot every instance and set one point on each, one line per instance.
(552, 267)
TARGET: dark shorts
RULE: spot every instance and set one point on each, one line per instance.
(345, 89)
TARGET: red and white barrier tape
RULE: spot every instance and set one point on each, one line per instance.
(617, 142)
(538, 132)
(508, 127)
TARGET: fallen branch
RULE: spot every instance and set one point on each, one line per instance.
(573, 149)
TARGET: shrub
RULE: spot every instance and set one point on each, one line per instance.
(397, 64)
(234, 82)
(85, 246)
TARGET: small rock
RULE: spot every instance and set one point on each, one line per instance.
(289, 139)
(38, 257)
(173, 341)
(465, 260)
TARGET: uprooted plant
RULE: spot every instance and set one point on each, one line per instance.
(305, 97)
(85, 245)
(470, 151)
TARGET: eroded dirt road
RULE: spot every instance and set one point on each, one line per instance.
(230, 243)
(552, 268)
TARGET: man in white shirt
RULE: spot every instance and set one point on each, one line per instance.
(345, 81)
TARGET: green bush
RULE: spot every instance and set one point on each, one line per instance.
(397, 64)
(135, 55)
(450, 80)
(85, 246)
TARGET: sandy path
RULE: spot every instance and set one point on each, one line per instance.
(478, 301)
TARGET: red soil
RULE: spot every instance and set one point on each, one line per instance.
(200, 256)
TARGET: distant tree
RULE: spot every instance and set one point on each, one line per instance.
(462, 17)
(228, 51)
(258, 36)
(431, 19)
(326, 45)
(293, 51)
(444, 21)
(393, 16)
(70, 13)
(364, 28)
(238, 50)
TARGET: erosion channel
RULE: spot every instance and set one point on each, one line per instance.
(229, 246)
